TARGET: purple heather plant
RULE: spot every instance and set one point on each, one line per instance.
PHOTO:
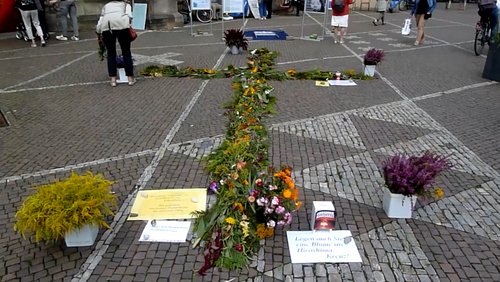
(413, 175)
(373, 56)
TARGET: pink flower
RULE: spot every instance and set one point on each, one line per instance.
(288, 218)
(251, 199)
(269, 210)
(281, 223)
(262, 201)
(280, 210)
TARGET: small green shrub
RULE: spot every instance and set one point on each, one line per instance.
(62, 206)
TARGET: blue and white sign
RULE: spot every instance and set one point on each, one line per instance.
(200, 5)
(232, 6)
(139, 14)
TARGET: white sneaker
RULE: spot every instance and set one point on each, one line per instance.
(75, 38)
(62, 38)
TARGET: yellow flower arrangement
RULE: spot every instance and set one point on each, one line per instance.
(230, 221)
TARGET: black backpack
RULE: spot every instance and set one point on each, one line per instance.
(485, 5)
(338, 5)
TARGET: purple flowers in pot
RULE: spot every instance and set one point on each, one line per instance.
(413, 175)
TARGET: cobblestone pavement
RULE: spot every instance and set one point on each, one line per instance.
(64, 116)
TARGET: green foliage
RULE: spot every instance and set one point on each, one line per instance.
(62, 206)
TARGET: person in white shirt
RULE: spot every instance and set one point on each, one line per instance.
(114, 24)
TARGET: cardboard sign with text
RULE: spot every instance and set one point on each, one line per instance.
(322, 246)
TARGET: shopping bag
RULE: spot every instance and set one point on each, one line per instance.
(406, 27)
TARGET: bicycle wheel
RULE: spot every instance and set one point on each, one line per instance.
(479, 42)
(402, 5)
(204, 16)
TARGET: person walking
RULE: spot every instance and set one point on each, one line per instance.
(114, 24)
(262, 9)
(67, 7)
(29, 13)
(269, 8)
(422, 9)
(340, 19)
(381, 8)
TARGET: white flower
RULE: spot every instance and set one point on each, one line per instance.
(262, 201)
(275, 201)
(271, 224)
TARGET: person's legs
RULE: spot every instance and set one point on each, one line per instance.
(74, 20)
(25, 15)
(342, 34)
(382, 17)
(109, 40)
(124, 40)
(36, 24)
(269, 8)
(62, 14)
(262, 9)
(420, 29)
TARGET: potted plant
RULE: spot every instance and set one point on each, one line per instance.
(371, 59)
(235, 40)
(407, 178)
(491, 69)
(73, 209)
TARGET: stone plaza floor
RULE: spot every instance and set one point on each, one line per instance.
(64, 117)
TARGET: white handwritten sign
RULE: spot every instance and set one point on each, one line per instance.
(322, 246)
(165, 231)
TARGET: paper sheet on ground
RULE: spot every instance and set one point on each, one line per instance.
(168, 204)
(322, 246)
(165, 231)
(322, 83)
(342, 82)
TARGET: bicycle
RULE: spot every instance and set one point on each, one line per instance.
(483, 32)
(404, 5)
(203, 16)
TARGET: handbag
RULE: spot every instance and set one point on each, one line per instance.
(427, 16)
(406, 27)
(131, 31)
(133, 34)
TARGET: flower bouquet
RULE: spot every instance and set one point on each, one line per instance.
(373, 56)
(413, 176)
(252, 198)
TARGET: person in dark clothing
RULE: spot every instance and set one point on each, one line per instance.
(422, 9)
(269, 8)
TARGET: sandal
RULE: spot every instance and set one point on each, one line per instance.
(131, 81)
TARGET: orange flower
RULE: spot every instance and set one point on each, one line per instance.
(240, 165)
(289, 183)
(295, 194)
(238, 206)
(287, 171)
(244, 182)
(287, 193)
(291, 72)
(298, 204)
(249, 90)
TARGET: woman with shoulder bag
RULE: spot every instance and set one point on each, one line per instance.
(114, 24)
(422, 9)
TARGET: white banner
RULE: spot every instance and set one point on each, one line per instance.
(232, 6)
